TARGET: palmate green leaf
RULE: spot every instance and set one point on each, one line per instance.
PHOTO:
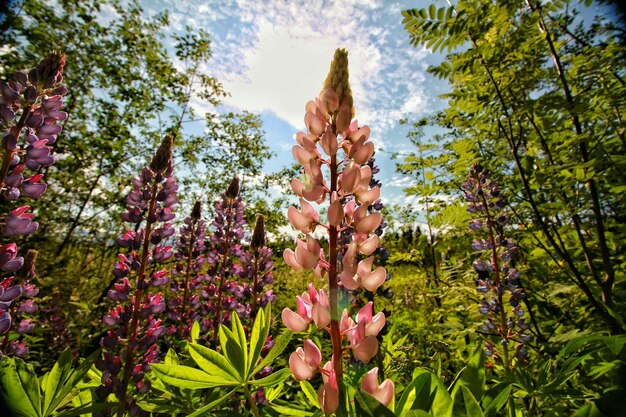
(442, 404)
(279, 345)
(260, 330)
(229, 343)
(195, 331)
(213, 363)
(19, 387)
(87, 409)
(64, 391)
(273, 379)
(186, 377)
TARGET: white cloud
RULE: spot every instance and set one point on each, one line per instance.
(275, 55)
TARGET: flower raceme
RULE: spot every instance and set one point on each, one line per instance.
(335, 154)
(30, 113)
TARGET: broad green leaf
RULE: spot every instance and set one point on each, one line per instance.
(279, 345)
(466, 403)
(310, 393)
(171, 357)
(205, 409)
(495, 398)
(19, 387)
(55, 379)
(417, 395)
(366, 405)
(233, 350)
(186, 377)
(616, 343)
(87, 409)
(273, 379)
(473, 375)
(442, 404)
(288, 411)
(67, 391)
(195, 331)
(260, 330)
(213, 363)
(240, 333)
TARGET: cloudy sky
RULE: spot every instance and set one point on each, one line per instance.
(273, 56)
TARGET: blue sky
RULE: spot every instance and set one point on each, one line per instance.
(273, 56)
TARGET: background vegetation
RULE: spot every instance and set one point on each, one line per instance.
(537, 95)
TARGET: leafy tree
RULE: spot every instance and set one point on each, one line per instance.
(537, 95)
(130, 83)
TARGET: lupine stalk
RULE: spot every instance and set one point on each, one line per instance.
(484, 197)
(36, 97)
(129, 347)
(350, 197)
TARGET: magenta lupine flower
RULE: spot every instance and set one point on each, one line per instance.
(135, 320)
(16, 303)
(337, 143)
(498, 278)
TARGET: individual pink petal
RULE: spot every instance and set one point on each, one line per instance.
(290, 259)
(312, 354)
(375, 325)
(330, 100)
(363, 131)
(356, 145)
(321, 316)
(383, 392)
(293, 321)
(349, 281)
(328, 398)
(349, 178)
(373, 280)
(367, 247)
(297, 187)
(343, 118)
(366, 350)
(365, 266)
(369, 223)
(308, 210)
(365, 313)
(304, 362)
(315, 193)
(301, 155)
(307, 142)
(313, 123)
(364, 153)
(345, 323)
(299, 221)
(335, 213)
(369, 197)
(329, 142)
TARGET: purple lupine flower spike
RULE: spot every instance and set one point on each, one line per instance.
(498, 278)
(134, 319)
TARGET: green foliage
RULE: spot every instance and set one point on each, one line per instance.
(29, 396)
(233, 368)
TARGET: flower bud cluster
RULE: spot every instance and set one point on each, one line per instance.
(131, 343)
(30, 113)
(336, 144)
(498, 280)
